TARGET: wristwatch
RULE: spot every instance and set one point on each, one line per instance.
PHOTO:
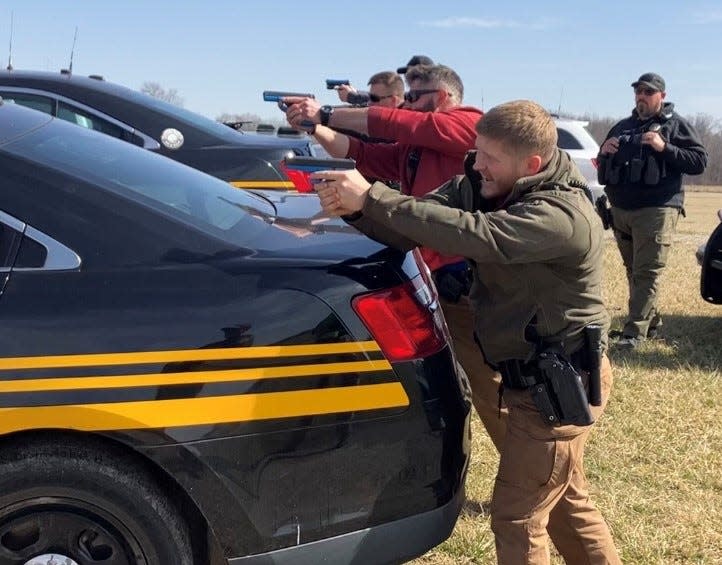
(326, 112)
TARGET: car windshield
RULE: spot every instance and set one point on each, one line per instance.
(151, 180)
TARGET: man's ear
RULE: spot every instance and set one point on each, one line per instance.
(533, 164)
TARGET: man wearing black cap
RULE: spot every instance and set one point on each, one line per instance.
(413, 62)
(642, 162)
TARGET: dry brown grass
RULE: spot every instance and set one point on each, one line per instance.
(702, 188)
(655, 459)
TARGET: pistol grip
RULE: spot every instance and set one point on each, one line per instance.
(304, 124)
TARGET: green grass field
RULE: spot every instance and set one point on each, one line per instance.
(654, 462)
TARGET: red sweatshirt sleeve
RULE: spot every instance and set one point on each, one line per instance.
(378, 160)
(444, 132)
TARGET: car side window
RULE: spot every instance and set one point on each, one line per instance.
(8, 247)
(34, 101)
(11, 233)
(566, 140)
(22, 247)
(82, 118)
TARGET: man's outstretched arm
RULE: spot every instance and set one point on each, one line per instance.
(305, 110)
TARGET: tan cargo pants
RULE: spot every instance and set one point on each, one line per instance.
(644, 237)
(541, 486)
(577, 529)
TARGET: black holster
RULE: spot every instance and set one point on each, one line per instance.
(555, 385)
(563, 391)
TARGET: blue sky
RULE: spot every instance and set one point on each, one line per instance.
(220, 55)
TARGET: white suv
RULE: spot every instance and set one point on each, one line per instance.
(578, 142)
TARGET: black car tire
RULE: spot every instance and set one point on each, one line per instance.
(75, 499)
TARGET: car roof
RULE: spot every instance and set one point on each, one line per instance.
(570, 121)
(141, 111)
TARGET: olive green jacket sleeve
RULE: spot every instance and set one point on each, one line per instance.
(447, 195)
(530, 230)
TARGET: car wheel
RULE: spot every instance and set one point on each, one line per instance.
(72, 502)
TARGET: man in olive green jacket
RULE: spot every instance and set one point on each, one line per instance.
(535, 244)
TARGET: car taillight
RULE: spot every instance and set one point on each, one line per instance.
(595, 163)
(405, 320)
(301, 179)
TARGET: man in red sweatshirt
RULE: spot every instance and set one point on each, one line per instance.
(430, 133)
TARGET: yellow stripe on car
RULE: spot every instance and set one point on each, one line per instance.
(204, 411)
(190, 377)
(138, 357)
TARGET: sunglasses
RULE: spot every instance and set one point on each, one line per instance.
(413, 95)
(645, 91)
(377, 98)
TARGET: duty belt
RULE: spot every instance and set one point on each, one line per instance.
(516, 374)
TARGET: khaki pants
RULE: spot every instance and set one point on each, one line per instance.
(574, 525)
(541, 486)
(644, 237)
(483, 379)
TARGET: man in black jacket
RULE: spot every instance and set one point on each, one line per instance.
(641, 162)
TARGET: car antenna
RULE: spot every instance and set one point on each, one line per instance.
(10, 55)
(559, 108)
(72, 51)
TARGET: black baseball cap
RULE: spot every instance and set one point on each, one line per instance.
(415, 60)
(652, 80)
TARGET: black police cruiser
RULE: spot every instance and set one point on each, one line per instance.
(245, 160)
(194, 374)
(709, 256)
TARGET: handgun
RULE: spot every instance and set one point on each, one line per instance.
(332, 83)
(315, 164)
(278, 96)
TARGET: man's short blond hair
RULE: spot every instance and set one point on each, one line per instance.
(390, 80)
(522, 126)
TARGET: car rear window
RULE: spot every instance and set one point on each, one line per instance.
(142, 176)
(567, 141)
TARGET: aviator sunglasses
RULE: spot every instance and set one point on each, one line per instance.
(413, 95)
(377, 98)
(645, 91)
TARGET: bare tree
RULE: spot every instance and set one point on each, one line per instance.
(710, 132)
(599, 126)
(157, 91)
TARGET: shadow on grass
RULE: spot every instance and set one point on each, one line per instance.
(689, 341)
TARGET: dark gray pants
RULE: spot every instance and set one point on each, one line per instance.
(644, 237)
